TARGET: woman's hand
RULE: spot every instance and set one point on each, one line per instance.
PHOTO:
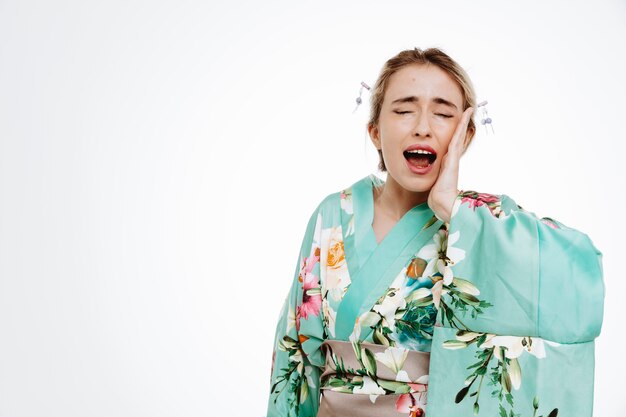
(445, 190)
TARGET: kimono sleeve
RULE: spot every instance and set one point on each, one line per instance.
(518, 314)
(297, 359)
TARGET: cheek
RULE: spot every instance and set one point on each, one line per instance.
(445, 133)
(389, 136)
(445, 127)
(396, 132)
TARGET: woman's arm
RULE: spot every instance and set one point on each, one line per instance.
(297, 359)
(547, 275)
(522, 341)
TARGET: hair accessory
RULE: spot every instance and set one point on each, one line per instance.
(486, 120)
(358, 99)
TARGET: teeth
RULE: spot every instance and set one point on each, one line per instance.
(421, 151)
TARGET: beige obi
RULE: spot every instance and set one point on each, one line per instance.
(378, 381)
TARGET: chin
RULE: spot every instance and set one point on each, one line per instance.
(412, 182)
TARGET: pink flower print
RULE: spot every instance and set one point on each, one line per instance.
(311, 301)
(478, 199)
(408, 404)
(418, 387)
(474, 199)
(404, 403)
(311, 292)
(307, 265)
(549, 223)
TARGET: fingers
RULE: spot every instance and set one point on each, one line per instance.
(458, 138)
(461, 129)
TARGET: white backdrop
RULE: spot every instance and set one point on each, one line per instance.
(159, 161)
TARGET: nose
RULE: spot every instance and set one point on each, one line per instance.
(422, 126)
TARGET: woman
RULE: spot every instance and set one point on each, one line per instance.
(412, 287)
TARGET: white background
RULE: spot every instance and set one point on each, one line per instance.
(159, 161)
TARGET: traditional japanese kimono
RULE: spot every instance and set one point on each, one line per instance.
(493, 314)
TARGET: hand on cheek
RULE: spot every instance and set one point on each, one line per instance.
(445, 190)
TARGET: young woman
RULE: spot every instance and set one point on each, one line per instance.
(412, 288)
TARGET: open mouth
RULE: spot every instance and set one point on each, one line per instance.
(420, 157)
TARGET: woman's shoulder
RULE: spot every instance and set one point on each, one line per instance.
(499, 205)
(341, 200)
(502, 206)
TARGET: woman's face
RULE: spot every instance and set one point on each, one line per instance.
(421, 110)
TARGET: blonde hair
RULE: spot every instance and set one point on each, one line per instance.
(433, 56)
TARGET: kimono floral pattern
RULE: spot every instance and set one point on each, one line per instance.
(405, 315)
(550, 222)
(297, 377)
(506, 375)
(335, 276)
(399, 318)
(311, 294)
(345, 198)
(474, 200)
(365, 379)
(324, 279)
(410, 309)
(433, 297)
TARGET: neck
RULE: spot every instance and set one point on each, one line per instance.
(396, 201)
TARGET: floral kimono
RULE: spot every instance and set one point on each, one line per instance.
(492, 314)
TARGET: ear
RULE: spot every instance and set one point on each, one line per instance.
(374, 135)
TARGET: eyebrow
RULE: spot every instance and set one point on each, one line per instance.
(413, 99)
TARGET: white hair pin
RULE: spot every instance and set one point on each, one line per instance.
(358, 99)
(486, 120)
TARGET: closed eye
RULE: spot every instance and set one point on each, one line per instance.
(443, 115)
(402, 112)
